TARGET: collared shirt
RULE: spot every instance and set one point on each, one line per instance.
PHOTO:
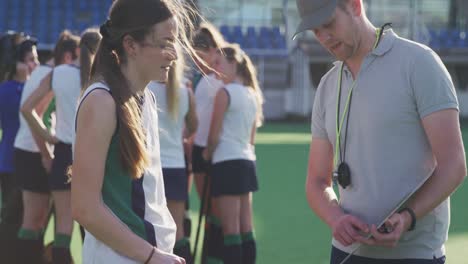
(399, 83)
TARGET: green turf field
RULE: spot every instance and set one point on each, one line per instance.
(286, 229)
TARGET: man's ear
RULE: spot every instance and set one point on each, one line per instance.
(356, 7)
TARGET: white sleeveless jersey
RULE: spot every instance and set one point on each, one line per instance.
(170, 129)
(239, 119)
(24, 139)
(146, 203)
(66, 84)
(205, 93)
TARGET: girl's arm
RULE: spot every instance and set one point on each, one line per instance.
(35, 123)
(191, 120)
(96, 125)
(220, 106)
(253, 134)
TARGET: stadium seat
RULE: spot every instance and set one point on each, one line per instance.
(226, 32)
(265, 38)
(237, 32)
(83, 5)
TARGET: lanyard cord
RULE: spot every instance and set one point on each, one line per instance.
(347, 108)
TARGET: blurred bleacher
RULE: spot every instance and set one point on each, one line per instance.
(251, 38)
(45, 19)
(448, 39)
(268, 50)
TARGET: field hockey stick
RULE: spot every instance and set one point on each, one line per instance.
(200, 215)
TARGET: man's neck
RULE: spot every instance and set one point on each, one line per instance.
(367, 42)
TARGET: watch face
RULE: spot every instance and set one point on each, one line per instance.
(344, 175)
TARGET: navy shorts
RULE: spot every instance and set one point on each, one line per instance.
(58, 179)
(337, 256)
(199, 165)
(30, 172)
(233, 177)
(175, 183)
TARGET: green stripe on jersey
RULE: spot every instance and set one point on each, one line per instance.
(117, 190)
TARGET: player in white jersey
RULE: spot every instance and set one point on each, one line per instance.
(118, 190)
(207, 41)
(34, 178)
(177, 123)
(236, 115)
(65, 82)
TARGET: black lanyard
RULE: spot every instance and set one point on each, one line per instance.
(339, 152)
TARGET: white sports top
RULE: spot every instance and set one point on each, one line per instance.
(24, 139)
(205, 93)
(239, 119)
(146, 198)
(66, 85)
(171, 130)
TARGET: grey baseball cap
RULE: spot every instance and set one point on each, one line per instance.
(314, 13)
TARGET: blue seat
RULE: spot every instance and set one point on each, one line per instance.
(28, 6)
(97, 17)
(225, 32)
(83, 5)
(464, 39)
(68, 4)
(237, 30)
(444, 38)
(13, 24)
(276, 31)
(251, 31)
(239, 40)
(107, 5)
(265, 38)
(82, 26)
(42, 36)
(459, 38)
(69, 24)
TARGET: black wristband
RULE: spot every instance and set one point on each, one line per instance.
(150, 255)
(413, 217)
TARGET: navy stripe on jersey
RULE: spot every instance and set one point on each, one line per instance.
(51, 78)
(138, 206)
(74, 66)
(196, 80)
(82, 100)
(229, 96)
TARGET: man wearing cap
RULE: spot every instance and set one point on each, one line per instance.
(384, 122)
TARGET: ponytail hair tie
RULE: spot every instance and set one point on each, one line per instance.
(105, 30)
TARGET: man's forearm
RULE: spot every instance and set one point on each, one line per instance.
(439, 187)
(324, 202)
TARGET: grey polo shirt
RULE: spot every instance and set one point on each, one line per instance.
(400, 82)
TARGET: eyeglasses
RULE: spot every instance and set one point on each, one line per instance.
(160, 45)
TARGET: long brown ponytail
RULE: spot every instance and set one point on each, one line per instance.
(207, 36)
(174, 80)
(133, 18)
(247, 71)
(88, 46)
(67, 42)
